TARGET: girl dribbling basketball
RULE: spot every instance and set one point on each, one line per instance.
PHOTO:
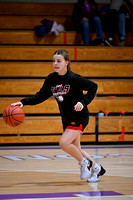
(67, 88)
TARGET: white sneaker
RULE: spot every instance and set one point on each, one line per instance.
(97, 171)
(84, 171)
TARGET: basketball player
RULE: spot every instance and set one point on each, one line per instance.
(67, 88)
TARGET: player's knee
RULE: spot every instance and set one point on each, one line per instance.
(63, 144)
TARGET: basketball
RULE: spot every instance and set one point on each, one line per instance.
(13, 115)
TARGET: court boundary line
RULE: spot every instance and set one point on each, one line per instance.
(57, 147)
(60, 195)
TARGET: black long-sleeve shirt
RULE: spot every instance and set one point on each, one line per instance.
(67, 90)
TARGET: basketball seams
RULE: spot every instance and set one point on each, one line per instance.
(9, 116)
(12, 114)
(16, 107)
(16, 119)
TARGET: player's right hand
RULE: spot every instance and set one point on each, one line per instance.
(17, 104)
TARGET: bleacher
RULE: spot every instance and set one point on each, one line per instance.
(26, 60)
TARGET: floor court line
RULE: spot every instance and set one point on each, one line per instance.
(58, 184)
(60, 195)
(69, 171)
(125, 197)
(57, 147)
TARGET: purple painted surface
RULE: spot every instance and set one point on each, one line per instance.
(58, 195)
(36, 148)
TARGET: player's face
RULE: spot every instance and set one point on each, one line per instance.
(60, 64)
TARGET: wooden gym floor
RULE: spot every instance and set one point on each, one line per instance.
(47, 173)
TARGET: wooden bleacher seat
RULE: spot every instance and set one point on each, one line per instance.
(25, 8)
(41, 130)
(40, 123)
(87, 69)
(112, 104)
(110, 128)
(29, 22)
(31, 86)
(77, 53)
(40, 139)
(64, 38)
(30, 37)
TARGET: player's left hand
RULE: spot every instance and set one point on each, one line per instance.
(78, 107)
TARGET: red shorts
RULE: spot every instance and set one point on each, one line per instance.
(80, 127)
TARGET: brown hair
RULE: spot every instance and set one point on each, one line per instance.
(65, 54)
